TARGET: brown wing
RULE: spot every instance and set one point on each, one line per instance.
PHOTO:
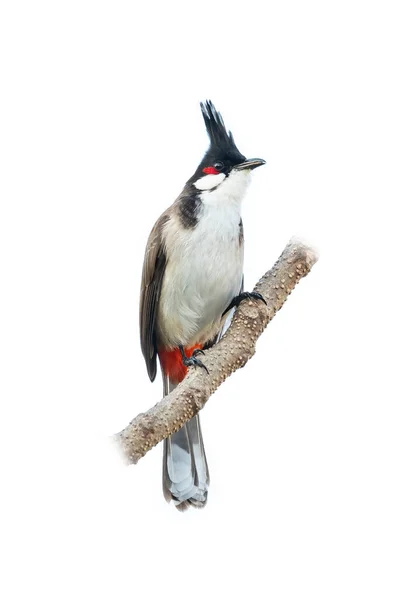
(152, 277)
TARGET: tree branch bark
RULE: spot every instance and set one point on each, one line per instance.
(233, 351)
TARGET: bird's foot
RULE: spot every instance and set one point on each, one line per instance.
(243, 296)
(192, 361)
(197, 351)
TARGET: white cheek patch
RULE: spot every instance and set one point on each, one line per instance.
(208, 182)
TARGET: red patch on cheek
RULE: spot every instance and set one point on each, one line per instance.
(210, 171)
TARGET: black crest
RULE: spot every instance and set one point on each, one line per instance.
(222, 145)
(217, 132)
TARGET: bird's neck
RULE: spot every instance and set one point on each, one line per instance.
(229, 194)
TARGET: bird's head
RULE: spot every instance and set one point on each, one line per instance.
(222, 162)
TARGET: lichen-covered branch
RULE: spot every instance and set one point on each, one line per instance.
(234, 349)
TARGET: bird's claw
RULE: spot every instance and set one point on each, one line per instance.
(194, 362)
(243, 296)
(256, 296)
(197, 351)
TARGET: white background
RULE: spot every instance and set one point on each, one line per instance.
(100, 128)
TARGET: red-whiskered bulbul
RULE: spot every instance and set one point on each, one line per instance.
(192, 276)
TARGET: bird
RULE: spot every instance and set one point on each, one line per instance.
(192, 279)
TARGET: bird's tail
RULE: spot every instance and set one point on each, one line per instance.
(185, 470)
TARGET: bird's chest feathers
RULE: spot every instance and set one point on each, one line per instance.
(212, 246)
(204, 267)
(218, 229)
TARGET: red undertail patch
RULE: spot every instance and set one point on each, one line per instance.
(171, 362)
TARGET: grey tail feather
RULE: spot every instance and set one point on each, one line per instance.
(185, 470)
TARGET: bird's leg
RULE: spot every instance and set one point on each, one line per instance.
(192, 360)
(243, 296)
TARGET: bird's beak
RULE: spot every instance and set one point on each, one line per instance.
(251, 163)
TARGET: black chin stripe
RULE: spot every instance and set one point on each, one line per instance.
(189, 208)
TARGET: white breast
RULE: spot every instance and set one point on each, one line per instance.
(204, 267)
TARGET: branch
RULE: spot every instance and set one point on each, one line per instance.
(233, 351)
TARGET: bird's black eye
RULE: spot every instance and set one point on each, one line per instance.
(219, 165)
